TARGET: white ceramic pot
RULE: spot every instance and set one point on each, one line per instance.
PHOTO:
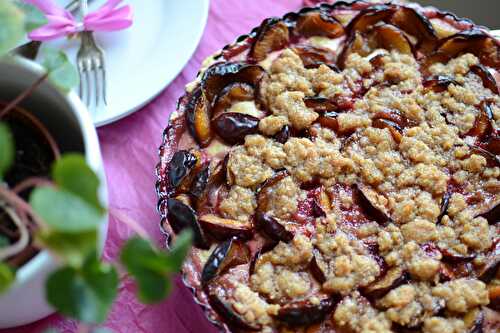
(71, 125)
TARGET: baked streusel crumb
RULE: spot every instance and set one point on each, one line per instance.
(345, 165)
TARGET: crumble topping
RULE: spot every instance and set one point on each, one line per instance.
(247, 170)
(410, 304)
(408, 148)
(357, 314)
(409, 178)
(346, 263)
(463, 294)
(278, 273)
(253, 308)
(440, 325)
(240, 204)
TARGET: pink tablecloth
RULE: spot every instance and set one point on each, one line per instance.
(129, 150)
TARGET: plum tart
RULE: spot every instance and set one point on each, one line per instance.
(339, 168)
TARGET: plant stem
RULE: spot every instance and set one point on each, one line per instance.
(31, 182)
(22, 96)
(44, 131)
(15, 201)
(24, 236)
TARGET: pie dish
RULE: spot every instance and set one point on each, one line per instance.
(339, 170)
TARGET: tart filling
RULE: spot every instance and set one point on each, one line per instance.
(339, 169)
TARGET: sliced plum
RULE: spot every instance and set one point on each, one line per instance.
(232, 93)
(284, 134)
(369, 17)
(198, 118)
(492, 214)
(454, 258)
(474, 41)
(391, 38)
(321, 105)
(184, 198)
(356, 43)
(492, 144)
(393, 278)
(182, 217)
(219, 292)
(200, 181)
(272, 227)
(417, 25)
(384, 36)
(330, 121)
(395, 129)
(265, 189)
(456, 270)
(305, 312)
(225, 310)
(327, 110)
(321, 204)
(220, 75)
(484, 126)
(180, 168)
(492, 158)
(486, 76)
(318, 23)
(230, 253)
(316, 269)
(438, 83)
(434, 58)
(394, 117)
(272, 35)
(222, 229)
(313, 57)
(215, 181)
(376, 58)
(445, 202)
(490, 269)
(361, 196)
(232, 127)
(494, 292)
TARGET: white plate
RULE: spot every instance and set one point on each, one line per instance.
(142, 60)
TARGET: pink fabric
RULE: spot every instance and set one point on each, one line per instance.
(61, 23)
(129, 149)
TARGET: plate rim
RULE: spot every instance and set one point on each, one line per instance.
(205, 8)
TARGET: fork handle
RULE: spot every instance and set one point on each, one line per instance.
(84, 7)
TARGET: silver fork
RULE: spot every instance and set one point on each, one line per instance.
(91, 67)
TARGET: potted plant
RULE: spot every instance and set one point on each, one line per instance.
(53, 216)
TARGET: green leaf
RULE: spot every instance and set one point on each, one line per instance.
(147, 267)
(72, 247)
(6, 147)
(63, 211)
(33, 17)
(12, 26)
(72, 173)
(7, 276)
(86, 294)
(152, 268)
(179, 251)
(4, 241)
(61, 72)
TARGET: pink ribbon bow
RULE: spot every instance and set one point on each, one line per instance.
(61, 23)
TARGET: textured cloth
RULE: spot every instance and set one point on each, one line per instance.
(129, 150)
